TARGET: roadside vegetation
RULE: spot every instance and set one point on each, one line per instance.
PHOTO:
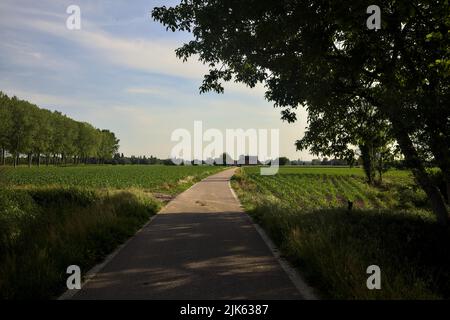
(305, 211)
(58, 216)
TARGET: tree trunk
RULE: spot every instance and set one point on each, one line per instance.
(3, 156)
(422, 177)
(367, 158)
(447, 185)
(30, 159)
(437, 202)
(443, 162)
(380, 169)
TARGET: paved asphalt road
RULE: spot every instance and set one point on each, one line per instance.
(200, 246)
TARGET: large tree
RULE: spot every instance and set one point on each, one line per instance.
(23, 128)
(5, 125)
(320, 54)
(109, 145)
(88, 141)
(44, 134)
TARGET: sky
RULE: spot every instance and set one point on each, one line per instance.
(120, 72)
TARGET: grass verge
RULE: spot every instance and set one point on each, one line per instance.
(44, 230)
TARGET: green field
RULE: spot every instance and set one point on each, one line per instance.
(304, 210)
(53, 217)
(157, 178)
(322, 187)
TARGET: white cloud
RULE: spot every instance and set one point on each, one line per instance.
(151, 55)
(153, 91)
(36, 98)
(156, 56)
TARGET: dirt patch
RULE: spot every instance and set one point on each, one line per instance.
(342, 200)
(163, 197)
(359, 203)
(201, 203)
(329, 198)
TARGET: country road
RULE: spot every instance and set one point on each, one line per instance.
(200, 246)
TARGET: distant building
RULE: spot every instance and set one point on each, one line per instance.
(248, 160)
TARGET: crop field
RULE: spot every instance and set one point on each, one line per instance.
(157, 178)
(325, 187)
(305, 212)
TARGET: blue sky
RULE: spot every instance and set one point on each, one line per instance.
(120, 72)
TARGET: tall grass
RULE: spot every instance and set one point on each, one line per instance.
(391, 227)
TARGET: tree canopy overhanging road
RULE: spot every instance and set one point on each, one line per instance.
(320, 55)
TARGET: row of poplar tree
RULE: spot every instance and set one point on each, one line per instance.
(51, 137)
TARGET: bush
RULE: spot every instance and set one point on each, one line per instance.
(63, 197)
(17, 210)
(410, 197)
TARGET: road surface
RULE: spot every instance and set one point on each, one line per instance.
(200, 246)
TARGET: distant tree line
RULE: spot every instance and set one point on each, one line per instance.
(327, 162)
(119, 158)
(42, 135)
